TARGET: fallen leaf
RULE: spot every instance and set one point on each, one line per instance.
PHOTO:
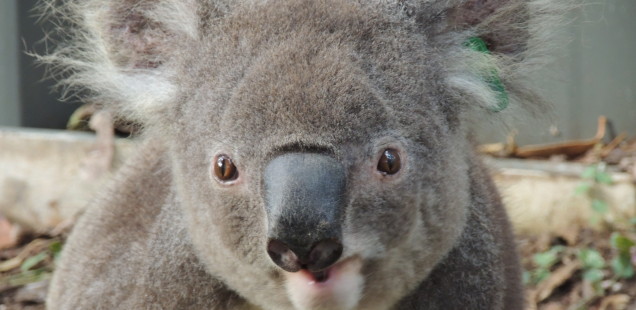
(570, 234)
(553, 306)
(34, 247)
(614, 302)
(531, 299)
(556, 279)
(576, 295)
(613, 144)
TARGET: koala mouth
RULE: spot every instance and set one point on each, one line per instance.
(325, 276)
(320, 276)
(338, 287)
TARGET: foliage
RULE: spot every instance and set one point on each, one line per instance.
(595, 176)
(544, 262)
(603, 265)
(623, 263)
(593, 265)
(33, 264)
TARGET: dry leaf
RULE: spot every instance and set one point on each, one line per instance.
(587, 291)
(35, 246)
(556, 279)
(570, 234)
(531, 299)
(553, 306)
(543, 243)
(615, 302)
(613, 145)
(575, 296)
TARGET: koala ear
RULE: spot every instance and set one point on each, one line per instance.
(121, 53)
(502, 24)
(490, 45)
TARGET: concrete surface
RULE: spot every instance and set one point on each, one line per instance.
(47, 177)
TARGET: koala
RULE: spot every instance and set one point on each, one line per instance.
(297, 154)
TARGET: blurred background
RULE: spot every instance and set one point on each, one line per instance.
(594, 74)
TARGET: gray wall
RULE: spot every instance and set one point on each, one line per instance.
(603, 70)
(39, 106)
(9, 93)
(595, 74)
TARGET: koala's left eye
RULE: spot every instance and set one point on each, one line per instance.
(224, 169)
(390, 162)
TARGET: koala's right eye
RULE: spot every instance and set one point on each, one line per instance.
(224, 169)
(390, 162)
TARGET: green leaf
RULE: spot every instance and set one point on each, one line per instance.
(591, 259)
(55, 247)
(583, 188)
(603, 177)
(595, 218)
(589, 172)
(545, 259)
(621, 243)
(593, 275)
(622, 267)
(599, 206)
(540, 275)
(56, 250)
(32, 261)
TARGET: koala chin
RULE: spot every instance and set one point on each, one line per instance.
(297, 154)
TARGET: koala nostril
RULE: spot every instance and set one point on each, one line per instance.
(324, 254)
(283, 256)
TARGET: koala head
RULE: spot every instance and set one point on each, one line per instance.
(317, 147)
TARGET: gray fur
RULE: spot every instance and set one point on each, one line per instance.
(255, 79)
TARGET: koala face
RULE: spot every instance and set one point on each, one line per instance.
(318, 150)
(329, 120)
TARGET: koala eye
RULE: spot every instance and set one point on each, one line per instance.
(224, 169)
(389, 162)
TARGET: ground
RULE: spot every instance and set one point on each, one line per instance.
(586, 269)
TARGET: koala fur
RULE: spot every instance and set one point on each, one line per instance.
(331, 83)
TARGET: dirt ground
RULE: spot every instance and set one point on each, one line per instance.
(585, 270)
(25, 270)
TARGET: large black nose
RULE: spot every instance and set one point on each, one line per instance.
(304, 200)
(321, 255)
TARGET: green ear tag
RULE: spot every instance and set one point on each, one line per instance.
(493, 79)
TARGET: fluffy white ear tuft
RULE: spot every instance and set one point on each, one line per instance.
(121, 54)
